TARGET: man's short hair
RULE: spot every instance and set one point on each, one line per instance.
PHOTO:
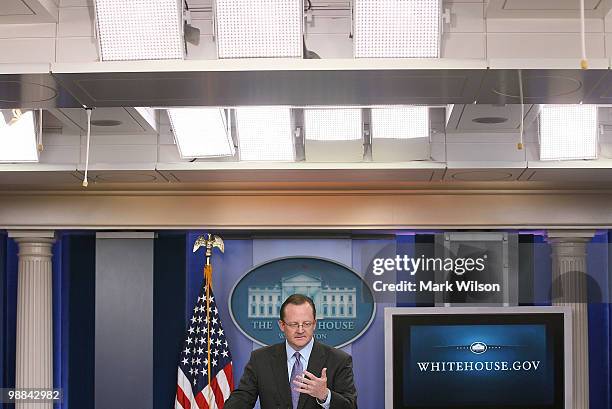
(297, 299)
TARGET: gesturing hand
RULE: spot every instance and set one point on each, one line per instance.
(311, 385)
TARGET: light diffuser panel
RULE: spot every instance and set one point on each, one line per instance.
(140, 29)
(333, 124)
(201, 132)
(568, 132)
(264, 28)
(397, 28)
(148, 114)
(265, 134)
(400, 122)
(18, 139)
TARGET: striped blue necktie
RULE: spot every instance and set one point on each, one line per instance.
(295, 372)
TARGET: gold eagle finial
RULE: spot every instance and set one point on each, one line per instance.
(209, 242)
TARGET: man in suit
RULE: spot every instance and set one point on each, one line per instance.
(299, 373)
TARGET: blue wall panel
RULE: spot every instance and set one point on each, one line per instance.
(168, 314)
(79, 270)
(368, 351)
(60, 323)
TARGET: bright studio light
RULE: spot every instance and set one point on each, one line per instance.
(265, 28)
(568, 132)
(400, 122)
(397, 28)
(148, 114)
(265, 134)
(140, 29)
(334, 124)
(18, 139)
(201, 132)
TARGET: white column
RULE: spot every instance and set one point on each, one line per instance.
(34, 365)
(569, 271)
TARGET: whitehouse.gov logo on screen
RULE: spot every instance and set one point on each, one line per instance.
(477, 364)
(478, 348)
(477, 358)
(344, 303)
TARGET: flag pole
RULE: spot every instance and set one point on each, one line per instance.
(209, 242)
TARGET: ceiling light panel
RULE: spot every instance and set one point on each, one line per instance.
(397, 28)
(333, 124)
(256, 29)
(149, 115)
(18, 138)
(568, 132)
(265, 134)
(201, 132)
(400, 122)
(140, 29)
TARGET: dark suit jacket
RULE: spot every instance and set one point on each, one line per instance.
(266, 377)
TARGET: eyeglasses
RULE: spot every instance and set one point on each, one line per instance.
(296, 325)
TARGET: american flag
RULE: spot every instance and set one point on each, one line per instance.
(193, 388)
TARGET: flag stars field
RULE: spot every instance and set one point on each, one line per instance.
(193, 388)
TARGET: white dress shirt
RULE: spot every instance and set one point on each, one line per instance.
(304, 357)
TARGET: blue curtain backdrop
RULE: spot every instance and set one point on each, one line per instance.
(599, 310)
(9, 311)
(168, 314)
(3, 310)
(178, 275)
(79, 268)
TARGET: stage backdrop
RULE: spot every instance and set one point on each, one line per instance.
(177, 276)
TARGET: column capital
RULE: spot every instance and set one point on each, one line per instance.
(570, 236)
(32, 234)
(33, 243)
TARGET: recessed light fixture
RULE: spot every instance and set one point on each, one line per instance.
(105, 122)
(490, 120)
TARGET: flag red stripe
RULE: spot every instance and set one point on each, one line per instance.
(217, 392)
(201, 401)
(229, 375)
(182, 399)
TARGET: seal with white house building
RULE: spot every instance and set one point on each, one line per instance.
(344, 303)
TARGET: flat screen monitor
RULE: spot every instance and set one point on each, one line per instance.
(478, 358)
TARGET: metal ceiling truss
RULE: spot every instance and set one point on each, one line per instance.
(303, 87)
